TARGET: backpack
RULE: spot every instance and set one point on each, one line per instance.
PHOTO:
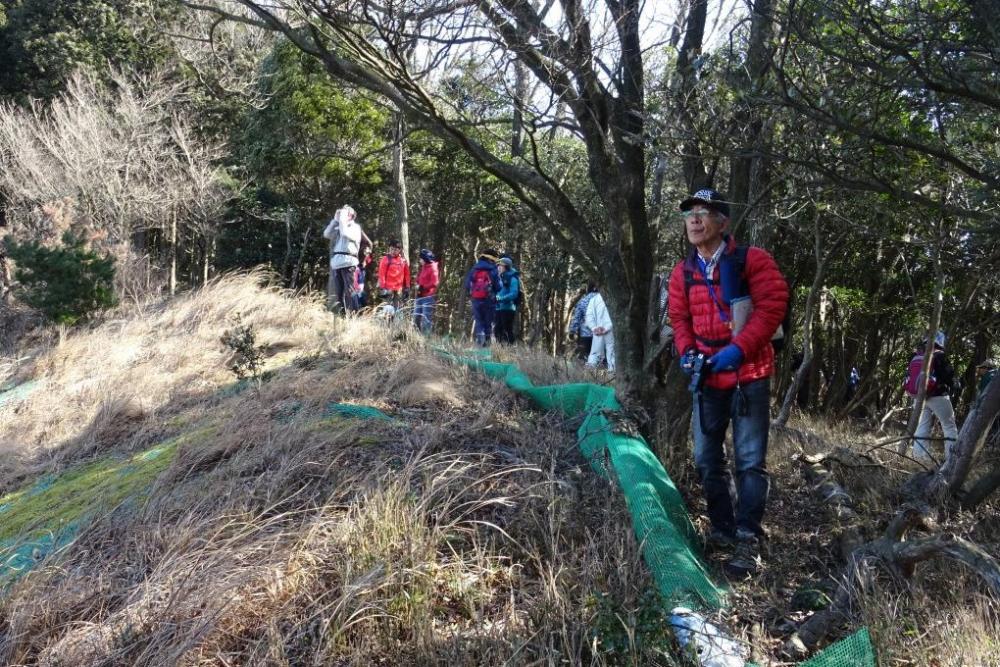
(739, 260)
(481, 284)
(913, 375)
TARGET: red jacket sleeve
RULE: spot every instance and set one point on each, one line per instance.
(769, 294)
(680, 312)
(383, 264)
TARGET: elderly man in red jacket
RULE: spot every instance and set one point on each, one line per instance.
(726, 302)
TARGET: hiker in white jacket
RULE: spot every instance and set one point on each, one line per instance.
(599, 322)
(346, 236)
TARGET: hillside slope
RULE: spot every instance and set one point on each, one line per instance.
(157, 512)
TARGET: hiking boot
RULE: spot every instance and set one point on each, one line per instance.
(746, 560)
(719, 540)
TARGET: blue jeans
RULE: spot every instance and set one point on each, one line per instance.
(748, 408)
(423, 313)
(483, 313)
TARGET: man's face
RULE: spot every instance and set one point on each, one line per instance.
(395, 250)
(703, 225)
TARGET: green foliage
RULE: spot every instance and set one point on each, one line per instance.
(316, 145)
(67, 282)
(247, 361)
(314, 131)
(43, 41)
(624, 634)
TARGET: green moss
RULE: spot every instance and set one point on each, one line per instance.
(53, 503)
(100, 485)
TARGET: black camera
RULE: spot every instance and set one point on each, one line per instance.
(701, 368)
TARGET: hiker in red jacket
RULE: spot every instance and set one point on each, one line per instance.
(427, 287)
(723, 327)
(394, 275)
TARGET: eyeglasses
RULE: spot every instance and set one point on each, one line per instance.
(701, 214)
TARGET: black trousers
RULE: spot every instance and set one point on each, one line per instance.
(343, 289)
(504, 327)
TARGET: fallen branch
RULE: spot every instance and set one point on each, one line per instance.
(899, 557)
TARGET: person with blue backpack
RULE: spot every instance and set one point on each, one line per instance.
(507, 300)
(482, 284)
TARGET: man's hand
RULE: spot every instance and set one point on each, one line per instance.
(728, 358)
(687, 361)
(600, 331)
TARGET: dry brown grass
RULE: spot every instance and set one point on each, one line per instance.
(468, 531)
(943, 617)
(544, 369)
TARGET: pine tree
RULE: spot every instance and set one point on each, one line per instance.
(66, 283)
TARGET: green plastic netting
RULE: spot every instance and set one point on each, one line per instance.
(355, 412)
(854, 649)
(12, 393)
(659, 516)
(45, 516)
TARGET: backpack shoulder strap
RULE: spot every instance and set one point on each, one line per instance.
(740, 255)
(739, 259)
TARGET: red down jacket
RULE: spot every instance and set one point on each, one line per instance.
(694, 315)
(427, 279)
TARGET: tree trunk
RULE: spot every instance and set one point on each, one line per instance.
(173, 253)
(294, 282)
(286, 261)
(918, 403)
(744, 183)
(974, 431)
(399, 184)
(800, 374)
(695, 175)
(207, 265)
(539, 305)
(5, 277)
(517, 124)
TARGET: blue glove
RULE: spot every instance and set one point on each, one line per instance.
(728, 358)
(687, 361)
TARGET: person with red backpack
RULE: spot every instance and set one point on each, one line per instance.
(483, 284)
(937, 399)
(427, 286)
(394, 275)
(726, 303)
